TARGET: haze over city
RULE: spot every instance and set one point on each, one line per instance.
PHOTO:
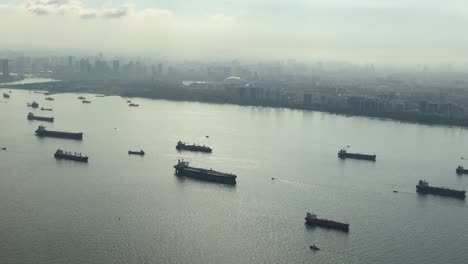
(360, 31)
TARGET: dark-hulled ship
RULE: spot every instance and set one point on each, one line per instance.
(183, 146)
(141, 152)
(5, 95)
(343, 154)
(460, 170)
(67, 155)
(424, 188)
(31, 116)
(312, 219)
(182, 168)
(43, 132)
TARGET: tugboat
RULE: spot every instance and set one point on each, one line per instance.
(460, 170)
(183, 146)
(61, 154)
(311, 219)
(314, 247)
(343, 154)
(5, 95)
(133, 105)
(31, 116)
(424, 188)
(42, 132)
(141, 152)
(182, 168)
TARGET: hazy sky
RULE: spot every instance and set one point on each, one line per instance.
(419, 31)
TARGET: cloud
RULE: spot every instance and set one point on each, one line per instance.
(74, 7)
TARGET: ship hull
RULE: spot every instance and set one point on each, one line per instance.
(441, 192)
(193, 148)
(40, 118)
(357, 156)
(59, 134)
(71, 157)
(461, 171)
(205, 175)
(136, 153)
(327, 224)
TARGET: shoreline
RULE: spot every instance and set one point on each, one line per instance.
(54, 87)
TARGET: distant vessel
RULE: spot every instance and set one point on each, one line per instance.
(141, 152)
(42, 132)
(5, 95)
(343, 154)
(461, 170)
(183, 168)
(134, 105)
(34, 105)
(311, 219)
(82, 98)
(314, 247)
(424, 188)
(128, 101)
(50, 99)
(61, 154)
(183, 146)
(86, 102)
(46, 109)
(31, 116)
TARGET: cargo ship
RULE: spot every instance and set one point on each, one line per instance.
(43, 132)
(312, 219)
(183, 146)
(461, 170)
(61, 154)
(31, 116)
(343, 154)
(183, 168)
(424, 188)
(141, 152)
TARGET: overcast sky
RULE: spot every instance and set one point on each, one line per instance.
(395, 31)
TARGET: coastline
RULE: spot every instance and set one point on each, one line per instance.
(173, 92)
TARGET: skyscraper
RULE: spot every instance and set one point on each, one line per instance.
(5, 71)
(116, 67)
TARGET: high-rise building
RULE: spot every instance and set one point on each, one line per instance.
(5, 71)
(116, 67)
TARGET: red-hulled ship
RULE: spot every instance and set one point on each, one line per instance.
(312, 219)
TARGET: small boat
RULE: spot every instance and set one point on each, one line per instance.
(133, 105)
(86, 102)
(128, 101)
(34, 105)
(46, 109)
(50, 99)
(395, 191)
(314, 247)
(82, 98)
(141, 152)
(3, 148)
(5, 95)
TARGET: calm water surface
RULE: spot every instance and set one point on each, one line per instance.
(131, 209)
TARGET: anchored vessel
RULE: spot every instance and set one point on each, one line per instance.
(424, 188)
(5, 95)
(183, 168)
(86, 102)
(141, 152)
(46, 109)
(343, 154)
(134, 105)
(50, 99)
(61, 154)
(42, 132)
(312, 219)
(183, 146)
(31, 116)
(34, 105)
(461, 170)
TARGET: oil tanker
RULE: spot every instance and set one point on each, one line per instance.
(460, 170)
(424, 188)
(343, 154)
(312, 219)
(43, 132)
(183, 168)
(31, 116)
(67, 155)
(183, 146)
